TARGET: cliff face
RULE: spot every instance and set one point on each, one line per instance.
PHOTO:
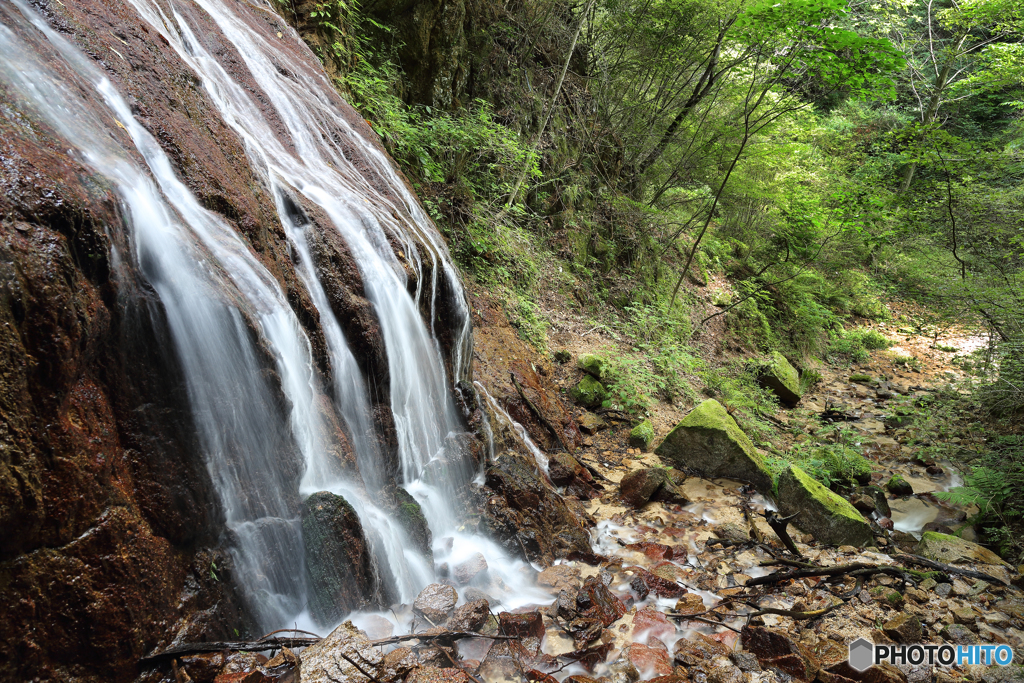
(110, 532)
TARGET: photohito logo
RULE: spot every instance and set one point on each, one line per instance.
(864, 653)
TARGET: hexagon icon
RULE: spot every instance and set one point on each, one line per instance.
(862, 654)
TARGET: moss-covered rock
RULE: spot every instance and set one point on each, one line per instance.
(589, 393)
(953, 550)
(410, 515)
(781, 378)
(709, 442)
(898, 486)
(339, 569)
(595, 366)
(829, 517)
(861, 379)
(642, 436)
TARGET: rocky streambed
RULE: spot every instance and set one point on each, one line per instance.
(688, 578)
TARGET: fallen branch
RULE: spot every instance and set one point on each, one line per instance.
(779, 577)
(949, 569)
(809, 614)
(239, 646)
(275, 643)
(778, 525)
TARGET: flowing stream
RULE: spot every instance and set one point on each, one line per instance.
(214, 291)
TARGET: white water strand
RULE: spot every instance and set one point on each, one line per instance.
(317, 167)
(520, 430)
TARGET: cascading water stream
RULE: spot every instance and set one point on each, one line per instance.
(315, 164)
(215, 292)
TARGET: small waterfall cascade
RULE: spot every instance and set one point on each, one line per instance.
(227, 313)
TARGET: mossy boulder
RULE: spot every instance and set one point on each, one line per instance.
(339, 568)
(642, 435)
(781, 378)
(595, 366)
(953, 550)
(709, 442)
(410, 515)
(827, 516)
(589, 393)
(898, 486)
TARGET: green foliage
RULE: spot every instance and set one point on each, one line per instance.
(835, 465)
(853, 345)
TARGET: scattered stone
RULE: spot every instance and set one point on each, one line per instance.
(469, 617)
(322, 663)
(943, 589)
(653, 623)
(698, 650)
(709, 442)
(653, 551)
(959, 634)
(746, 661)
(876, 495)
(903, 628)
(426, 674)
(563, 469)
(691, 603)
(827, 516)
(781, 378)
(338, 564)
(595, 366)
(965, 616)
(642, 436)
(562, 356)
(464, 572)
(898, 486)
(953, 550)
(436, 602)
(775, 649)
(661, 587)
(560, 577)
(649, 661)
(637, 487)
(522, 625)
(844, 673)
(591, 424)
(589, 393)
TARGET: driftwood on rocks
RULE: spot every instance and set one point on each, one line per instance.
(276, 643)
(948, 568)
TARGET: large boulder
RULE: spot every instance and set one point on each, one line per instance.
(331, 659)
(830, 518)
(709, 442)
(953, 550)
(781, 378)
(338, 564)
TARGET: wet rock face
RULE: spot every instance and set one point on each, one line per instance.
(106, 513)
(526, 516)
(338, 565)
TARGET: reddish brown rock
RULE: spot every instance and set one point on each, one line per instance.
(654, 551)
(652, 622)
(698, 650)
(656, 584)
(524, 625)
(778, 650)
(469, 617)
(637, 487)
(560, 577)
(649, 661)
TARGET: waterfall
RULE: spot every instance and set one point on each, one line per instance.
(223, 307)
